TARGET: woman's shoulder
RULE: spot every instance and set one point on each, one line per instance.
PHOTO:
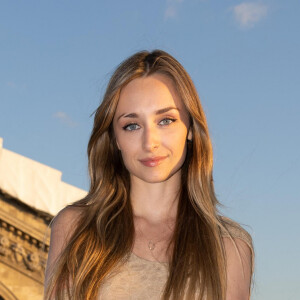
(68, 213)
(239, 250)
(66, 216)
(62, 227)
(64, 223)
(231, 228)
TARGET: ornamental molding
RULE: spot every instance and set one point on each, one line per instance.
(25, 228)
(22, 247)
(6, 293)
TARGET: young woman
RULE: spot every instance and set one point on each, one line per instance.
(149, 227)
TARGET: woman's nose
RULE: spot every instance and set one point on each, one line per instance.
(151, 139)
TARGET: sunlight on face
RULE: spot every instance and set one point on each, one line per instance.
(151, 126)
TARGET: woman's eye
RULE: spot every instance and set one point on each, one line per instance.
(135, 126)
(131, 127)
(167, 121)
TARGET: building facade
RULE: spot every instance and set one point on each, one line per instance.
(24, 244)
(30, 195)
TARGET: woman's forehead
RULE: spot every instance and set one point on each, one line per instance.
(154, 92)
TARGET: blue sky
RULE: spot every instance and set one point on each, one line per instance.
(56, 59)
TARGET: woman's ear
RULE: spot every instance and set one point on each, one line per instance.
(190, 134)
(118, 144)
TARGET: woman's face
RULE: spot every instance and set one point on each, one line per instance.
(151, 127)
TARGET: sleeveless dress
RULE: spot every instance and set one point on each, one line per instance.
(141, 279)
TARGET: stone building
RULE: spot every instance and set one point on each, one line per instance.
(30, 195)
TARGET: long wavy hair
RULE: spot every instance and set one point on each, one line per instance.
(104, 233)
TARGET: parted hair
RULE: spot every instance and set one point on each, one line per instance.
(104, 233)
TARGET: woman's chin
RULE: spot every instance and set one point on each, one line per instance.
(153, 177)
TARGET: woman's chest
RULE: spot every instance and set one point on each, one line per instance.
(137, 279)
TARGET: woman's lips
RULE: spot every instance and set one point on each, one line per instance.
(153, 161)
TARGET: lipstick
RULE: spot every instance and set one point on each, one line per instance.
(153, 161)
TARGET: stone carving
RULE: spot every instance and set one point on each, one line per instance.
(22, 250)
(24, 244)
(4, 246)
(19, 252)
(33, 262)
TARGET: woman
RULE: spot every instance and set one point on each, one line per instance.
(149, 227)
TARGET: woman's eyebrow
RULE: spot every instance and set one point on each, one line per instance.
(158, 112)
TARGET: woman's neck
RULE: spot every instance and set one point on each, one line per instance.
(155, 202)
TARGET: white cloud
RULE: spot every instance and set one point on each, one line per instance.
(64, 118)
(172, 8)
(170, 12)
(16, 86)
(11, 84)
(174, 1)
(247, 14)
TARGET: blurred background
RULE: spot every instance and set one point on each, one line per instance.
(56, 59)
